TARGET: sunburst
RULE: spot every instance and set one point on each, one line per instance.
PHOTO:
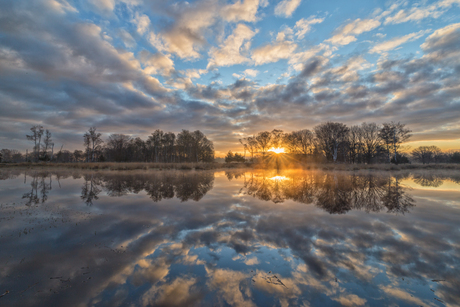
(276, 150)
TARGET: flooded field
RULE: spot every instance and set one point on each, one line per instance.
(236, 238)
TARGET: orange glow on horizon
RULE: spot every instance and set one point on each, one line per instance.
(276, 150)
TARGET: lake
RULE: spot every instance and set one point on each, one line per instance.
(229, 238)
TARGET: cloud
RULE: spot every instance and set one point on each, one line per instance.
(350, 300)
(143, 22)
(60, 69)
(303, 26)
(447, 38)
(227, 284)
(182, 43)
(280, 49)
(61, 6)
(103, 6)
(297, 60)
(443, 47)
(157, 63)
(156, 245)
(178, 292)
(247, 72)
(127, 39)
(241, 10)
(347, 34)
(418, 13)
(397, 41)
(251, 72)
(230, 52)
(403, 295)
(185, 36)
(380, 35)
(286, 7)
(195, 73)
(251, 261)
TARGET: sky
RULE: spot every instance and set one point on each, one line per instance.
(228, 68)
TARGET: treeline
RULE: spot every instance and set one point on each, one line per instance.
(432, 154)
(336, 142)
(328, 142)
(159, 147)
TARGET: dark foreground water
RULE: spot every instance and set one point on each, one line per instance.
(174, 238)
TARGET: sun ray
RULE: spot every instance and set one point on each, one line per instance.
(276, 150)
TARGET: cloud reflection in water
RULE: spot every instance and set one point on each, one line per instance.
(204, 238)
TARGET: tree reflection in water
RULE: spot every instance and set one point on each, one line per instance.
(158, 185)
(91, 188)
(334, 192)
(39, 188)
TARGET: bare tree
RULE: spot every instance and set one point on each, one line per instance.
(169, 146)
(251, 145)
(355, 144)
(155, 142)
(277, 138)
(10, 156)
(183, 142)
(206, 151)
(329, 137)
(93, 142)
(36, 137)
(194, 147)
(47, 143)
(291, 142)
(245, 146)
(78, 155)
(197, 143)
(393, 135)
(264, 141)
(305, 141)
(371, 140)
(426, 154)
(117, 146)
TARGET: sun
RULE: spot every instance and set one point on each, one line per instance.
(276, 150)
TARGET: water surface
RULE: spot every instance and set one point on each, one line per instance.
(252, 238)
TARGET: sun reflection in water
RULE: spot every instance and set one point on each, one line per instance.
(279, 178)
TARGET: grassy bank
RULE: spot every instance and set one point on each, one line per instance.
(382, 167)
(358, 167)
(121, 166)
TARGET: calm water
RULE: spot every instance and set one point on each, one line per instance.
(229, 238)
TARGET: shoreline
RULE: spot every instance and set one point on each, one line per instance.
(125, 166)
